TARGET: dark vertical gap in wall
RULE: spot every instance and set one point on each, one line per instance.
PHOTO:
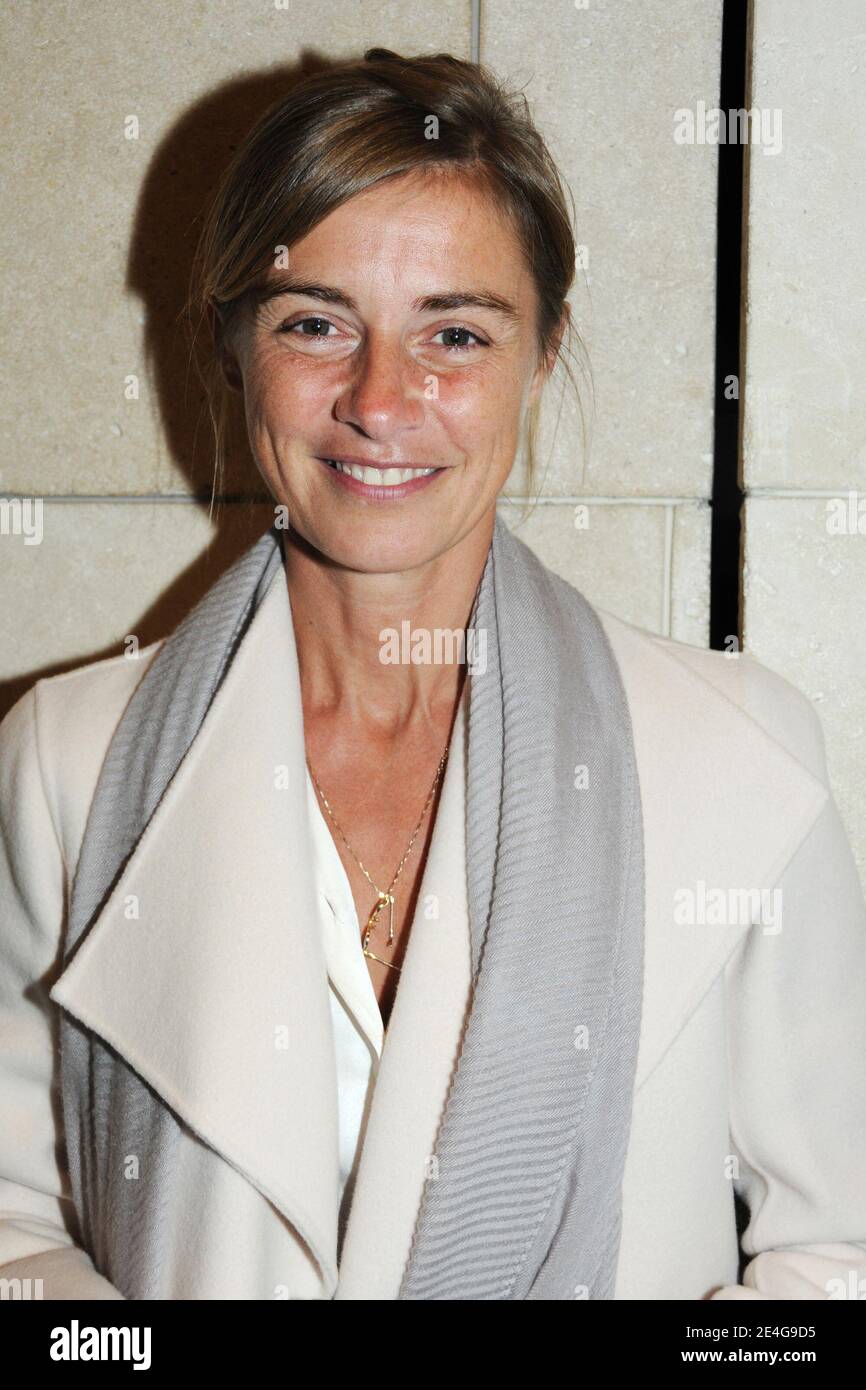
(725, 559)
(727, 494)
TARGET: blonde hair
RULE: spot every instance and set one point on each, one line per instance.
(345, 128)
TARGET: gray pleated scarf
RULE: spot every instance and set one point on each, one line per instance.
(531, 1150)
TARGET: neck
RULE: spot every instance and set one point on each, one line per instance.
(339, 615)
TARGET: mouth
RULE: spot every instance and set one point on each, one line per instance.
(379, 482)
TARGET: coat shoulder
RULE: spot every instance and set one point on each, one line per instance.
(779, 706)
(86, 702)
(62, 726)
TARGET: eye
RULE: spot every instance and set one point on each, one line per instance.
(298, 323)
(461, 347)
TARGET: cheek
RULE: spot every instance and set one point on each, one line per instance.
(277, 399)
(486, 402)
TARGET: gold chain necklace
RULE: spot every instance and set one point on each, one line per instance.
(385, 899)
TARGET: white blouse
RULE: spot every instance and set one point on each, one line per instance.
(355, 1014)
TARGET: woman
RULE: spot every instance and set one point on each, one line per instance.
(591, 884)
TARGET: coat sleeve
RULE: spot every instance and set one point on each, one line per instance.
(38, 1236)
(797, 1065)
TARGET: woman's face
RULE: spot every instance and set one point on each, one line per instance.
(407, 341)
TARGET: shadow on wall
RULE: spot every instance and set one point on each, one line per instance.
(180, 181)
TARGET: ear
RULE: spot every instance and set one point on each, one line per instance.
(546, 366)
(231, 371)
(539, 377)
(226, 357)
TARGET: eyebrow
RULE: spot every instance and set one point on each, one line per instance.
(428, 303)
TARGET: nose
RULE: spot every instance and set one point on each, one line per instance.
(386, 389)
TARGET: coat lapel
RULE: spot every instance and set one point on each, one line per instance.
(204, 967)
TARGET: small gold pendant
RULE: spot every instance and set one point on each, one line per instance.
(383, 900)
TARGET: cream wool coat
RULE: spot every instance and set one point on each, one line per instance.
(753, 1039)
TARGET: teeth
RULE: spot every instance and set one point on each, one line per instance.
(379, 477)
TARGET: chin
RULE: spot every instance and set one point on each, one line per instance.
(382, 551)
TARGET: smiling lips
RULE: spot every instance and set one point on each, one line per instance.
(378, 475)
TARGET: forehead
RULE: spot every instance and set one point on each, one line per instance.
(406, 228)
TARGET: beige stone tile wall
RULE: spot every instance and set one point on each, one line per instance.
(604, 83)
(804, 583)
(647, 561)
(105, 570)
